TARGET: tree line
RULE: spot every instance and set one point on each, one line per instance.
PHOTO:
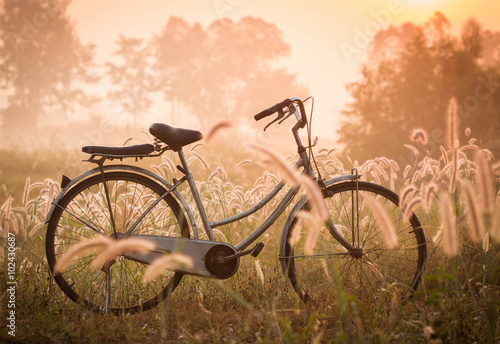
(412, 73)
(225, 69)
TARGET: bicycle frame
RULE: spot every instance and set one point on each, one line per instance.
(303, 162)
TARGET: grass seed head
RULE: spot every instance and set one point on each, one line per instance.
(172, 261)
(495, 225)
(474, 217)
(407, 192)
(409, 209)
(449, 240)
(119, 247)
(419, 135)
(483, 179)
(452, 123)
(76, 250)
(216, 128)
(384, 221)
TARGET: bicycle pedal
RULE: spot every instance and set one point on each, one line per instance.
(257, 249)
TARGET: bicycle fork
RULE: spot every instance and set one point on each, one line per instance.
(354, 248)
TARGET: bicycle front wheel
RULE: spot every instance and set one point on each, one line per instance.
(107, 206)
(318, 273)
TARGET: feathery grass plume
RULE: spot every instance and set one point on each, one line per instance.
(420, 135)
(316, 199)
(26, 190)
(201, 159)
(308, 220)
(7, 208)
(290, 175)
(174, 261)
(476, 227)
(495, 225)
(296, 229)
(76, 250)
(483, 179)
(260, 273)
(449, 237)
(394, 165)
(243, 163)
(407, 191)
(196, 146)
(218, 126)
(454, 170)
(468, 147)
(444, 155)
(216, 172)
(408, 210)
(119, 247)
(429, 193)
(452, 123)
(413, 149)
(406, 172)
(486, 242)
(467, 132)
(384, 221)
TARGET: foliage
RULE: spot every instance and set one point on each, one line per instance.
(42, 62)
(225, 69)
(131, 80)
(413, 72)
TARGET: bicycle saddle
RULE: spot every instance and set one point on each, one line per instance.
(174, 137)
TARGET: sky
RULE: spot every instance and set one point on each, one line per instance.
(328, 38)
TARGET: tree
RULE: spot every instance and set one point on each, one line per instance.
(227, 69)
(131, 79)
(42, 61)
(418, 70)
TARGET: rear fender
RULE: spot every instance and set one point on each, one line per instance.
(127, 168)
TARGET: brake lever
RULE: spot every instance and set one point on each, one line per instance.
(280, 116)
(284, 119)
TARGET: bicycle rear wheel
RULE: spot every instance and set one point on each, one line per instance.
(374, 269)
(84, 212)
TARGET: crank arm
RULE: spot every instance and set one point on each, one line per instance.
(254, 252)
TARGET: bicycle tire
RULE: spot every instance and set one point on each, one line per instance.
(84, 206)
(317, 277)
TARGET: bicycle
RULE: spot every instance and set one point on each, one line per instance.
(123, 201)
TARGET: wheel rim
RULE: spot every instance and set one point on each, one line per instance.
(84, 213)
(368, 274)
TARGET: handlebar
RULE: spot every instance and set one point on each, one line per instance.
(273, 109)
(302, 121)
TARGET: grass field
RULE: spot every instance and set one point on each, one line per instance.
(455, 196)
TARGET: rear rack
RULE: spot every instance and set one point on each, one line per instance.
(99, 154)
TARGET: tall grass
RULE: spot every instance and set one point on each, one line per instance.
(458, 300)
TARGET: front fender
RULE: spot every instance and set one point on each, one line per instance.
(286, 228)
(126, 168)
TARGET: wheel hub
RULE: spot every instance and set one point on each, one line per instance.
(357, 253)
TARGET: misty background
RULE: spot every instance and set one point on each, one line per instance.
(56, 92)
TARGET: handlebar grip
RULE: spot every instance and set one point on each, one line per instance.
(272, 109)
